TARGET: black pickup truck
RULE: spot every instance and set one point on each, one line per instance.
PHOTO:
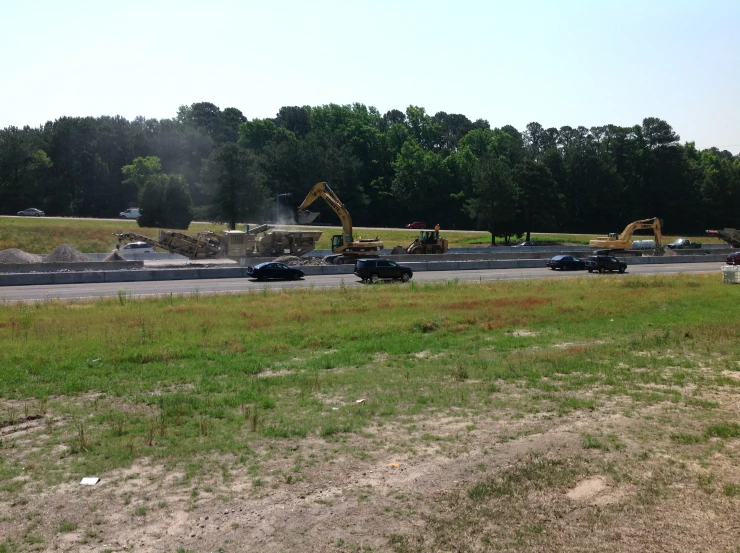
(603, 263)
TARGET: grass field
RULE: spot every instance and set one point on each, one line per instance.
(42, 235)
(571, 415)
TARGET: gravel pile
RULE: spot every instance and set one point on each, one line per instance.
(66, 254)
(295, 261)
(115, 256)
(14, 255)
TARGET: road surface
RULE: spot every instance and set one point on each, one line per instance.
(237, 285)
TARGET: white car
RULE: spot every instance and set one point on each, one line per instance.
(130, 213)
(133, 247)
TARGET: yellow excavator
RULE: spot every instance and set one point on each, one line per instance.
(345, 249)
(623, 241)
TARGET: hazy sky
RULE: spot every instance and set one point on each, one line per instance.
(558, 62)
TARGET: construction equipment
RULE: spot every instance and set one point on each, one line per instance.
(620, 242)
(345, 249)
(427, 242)
(232, 244)
(729, 235)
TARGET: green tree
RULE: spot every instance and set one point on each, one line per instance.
(494, 202)
(233, 179)
(539, 202)
(165, 203)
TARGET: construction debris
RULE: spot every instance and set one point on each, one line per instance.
(66, 254)
(14, 255)
(294, 261)
(115, 256)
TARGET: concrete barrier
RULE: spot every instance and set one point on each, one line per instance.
(418, 265)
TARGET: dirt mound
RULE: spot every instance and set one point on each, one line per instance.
(14, 255)
(295, 261)
(66, 254)
(115, 256)
(398, 250)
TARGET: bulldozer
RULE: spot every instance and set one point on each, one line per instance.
(623, 241)
(428, 242)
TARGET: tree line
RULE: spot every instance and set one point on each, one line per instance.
(389, 169)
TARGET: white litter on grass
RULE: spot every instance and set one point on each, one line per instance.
(89, 481)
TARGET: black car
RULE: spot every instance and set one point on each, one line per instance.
(271, 269)
(374, 270)
(566, 262)
(683, 244)
(603, 263)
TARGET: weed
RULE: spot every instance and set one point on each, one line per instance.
(724, 430)
(66, 526)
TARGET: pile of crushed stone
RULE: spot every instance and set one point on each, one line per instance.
(66, 254)
(295, 261)
(115, 256)
(14, 255)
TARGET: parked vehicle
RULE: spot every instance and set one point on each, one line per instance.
(130, 213)
(565, 262)
(141, 247)
(31, 212)
(683, 244)
(733, 258)
(603, 263)
(375, 270)
(271, 269)
(417, 225)
(525, 243)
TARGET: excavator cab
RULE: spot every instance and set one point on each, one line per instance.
(337, 241)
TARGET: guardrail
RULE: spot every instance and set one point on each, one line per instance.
(190, 273)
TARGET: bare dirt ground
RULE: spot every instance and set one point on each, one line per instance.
(613, 482)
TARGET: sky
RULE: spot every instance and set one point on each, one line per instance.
(511, 62)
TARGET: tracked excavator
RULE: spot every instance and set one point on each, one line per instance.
(345, 249)
(622, 242)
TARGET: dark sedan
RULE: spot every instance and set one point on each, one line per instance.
(733, 258)
(271, 269)
(565, 262)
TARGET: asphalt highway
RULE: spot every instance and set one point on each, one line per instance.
(238, 285)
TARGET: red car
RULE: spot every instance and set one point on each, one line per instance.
(733, 258)
(417, 224)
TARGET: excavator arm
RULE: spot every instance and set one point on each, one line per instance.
(653, 224)
(322, 190)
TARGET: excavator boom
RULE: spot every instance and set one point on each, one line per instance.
(322, 190)
(344, 247)
(622, 242)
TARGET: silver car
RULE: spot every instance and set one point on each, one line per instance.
(31, 212)
(142, 247)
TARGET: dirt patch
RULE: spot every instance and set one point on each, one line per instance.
(14, 255)
(523, 333)
(66, 254)
(587, 489)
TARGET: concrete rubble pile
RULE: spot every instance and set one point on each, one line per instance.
(295, 261)
(66, 254)
(14, 255)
